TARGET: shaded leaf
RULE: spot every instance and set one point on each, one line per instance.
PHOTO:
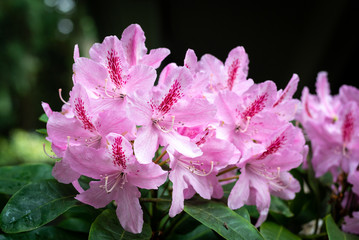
(44, 233)
(200, 233)
(107, 227)
(12, 178)
(221, 219)
(272, 231)
(35, 205)
(278, 206)
(335, 233)
(75, 224)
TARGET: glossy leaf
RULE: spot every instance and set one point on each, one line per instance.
(335, 233)
(12, 178)
(221, 219)
(272, 231)
(107, 227)
(35, 205)
(243, 211)
(280, 207)
(44, 233)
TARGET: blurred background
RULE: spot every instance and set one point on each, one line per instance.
(37, 38)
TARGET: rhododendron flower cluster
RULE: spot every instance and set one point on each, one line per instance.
(206, 118)
(331, 124)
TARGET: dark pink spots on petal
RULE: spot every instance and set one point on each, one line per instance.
(348, 127)
(173, 95)
(232, 73)
(114, 69)
(273, 147)
(282, 97)
(203, 138)
(257, 106)
(82, 115)
(118, 154)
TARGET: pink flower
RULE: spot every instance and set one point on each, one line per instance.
(331, 125)
(118, 68)
(120, 174)
(198, 174)
(167, 109)
(267, 173)
(82, 127)
(351, 224)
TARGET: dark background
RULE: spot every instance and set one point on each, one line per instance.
(280, 37)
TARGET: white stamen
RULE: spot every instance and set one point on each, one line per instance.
(108, 95)
(60, 95)
(163, 129)
(53, 156)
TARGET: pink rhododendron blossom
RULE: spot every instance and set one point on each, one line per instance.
(267, 173)
(167, 109)
(331, 125)
(351, 224)
(198, 175)
(209, 119)
(120, 174)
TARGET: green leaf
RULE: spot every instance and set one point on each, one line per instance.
(199, 233)
(272, 231)
(75, 224)
(12, 178)
(280, 207)
(44, 233)
(42, 131)
(221, 219)
(35, 205)
(107, 227)
(43, 118)
(335, 233)
(243, 211)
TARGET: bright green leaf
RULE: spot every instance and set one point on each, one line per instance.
(42, 131)
(272, 231)
(43, 118)
(221, 219)
(35, 205)
(107, 227)
(44, 233)
(12, 178)
(335, 233)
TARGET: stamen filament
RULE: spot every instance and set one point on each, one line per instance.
(108, 95)
(229, 178)
(164, 162)
(227, 170)
(60, 95)
(53, 156)
(160, 156)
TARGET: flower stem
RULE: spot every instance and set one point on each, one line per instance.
(154, 200)
(229, 178)
(227, 170)
(160, 156)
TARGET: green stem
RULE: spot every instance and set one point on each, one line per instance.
(154, 200)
